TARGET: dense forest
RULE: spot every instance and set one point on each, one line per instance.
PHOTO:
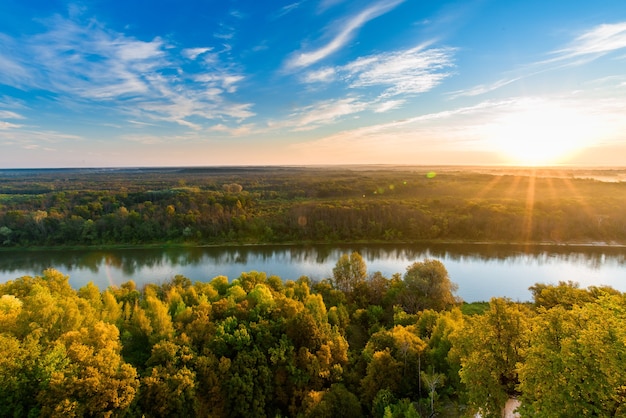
(355, 344)
(280, 204)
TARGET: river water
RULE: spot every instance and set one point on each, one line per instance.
(481, 271)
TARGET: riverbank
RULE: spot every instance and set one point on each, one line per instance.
(226, 244)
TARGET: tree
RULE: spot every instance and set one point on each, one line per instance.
(95, 379)
(566, 294)
(349, 271)
(575, 364)
(169, 389)
(336, 402)
(427, 286)
(489, 347)
(383, 372)
(432, 382)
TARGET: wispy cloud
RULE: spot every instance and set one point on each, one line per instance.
(321, 113)
(597, 41)
(7, 114)
(193, 53)
(286, 10)
(323, 75)
(388, 105)
(483, 88)
(241, 130)
(87, 63)
(378, 79)
(411, 71)
(8, 125)
(588, 46)
(405, 72)
(12, 72)
(343, 31)
(327, 4)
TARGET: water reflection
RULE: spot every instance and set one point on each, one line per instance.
(482, 271)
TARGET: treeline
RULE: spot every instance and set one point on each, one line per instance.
(312, 205)
(352, 345)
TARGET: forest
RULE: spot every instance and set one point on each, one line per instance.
(355, 344)
(258, 205)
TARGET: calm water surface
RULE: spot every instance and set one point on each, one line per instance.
(481, 271)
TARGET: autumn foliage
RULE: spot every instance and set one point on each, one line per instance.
(353, 345)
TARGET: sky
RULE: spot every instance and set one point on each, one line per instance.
(312, 82)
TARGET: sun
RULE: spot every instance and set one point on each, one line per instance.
(541, 133)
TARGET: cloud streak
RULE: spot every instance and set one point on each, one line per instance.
(404, 72)
(598, 41)
(588, 46)
(347, 31)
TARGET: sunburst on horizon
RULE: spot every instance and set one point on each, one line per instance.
(543, 134)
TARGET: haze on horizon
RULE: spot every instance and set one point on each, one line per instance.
(92, 84)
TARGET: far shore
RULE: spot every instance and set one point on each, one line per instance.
(166, 245)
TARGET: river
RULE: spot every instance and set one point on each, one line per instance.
(481, 271)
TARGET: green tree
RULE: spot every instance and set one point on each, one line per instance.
(489, 347)
(169, 387)
(336, 402)
(383, 372)
(427, 286)
(349, 271)
(432, 381)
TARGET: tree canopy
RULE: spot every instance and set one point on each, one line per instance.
(263, 346)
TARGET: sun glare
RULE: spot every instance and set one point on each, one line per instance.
(543, 134)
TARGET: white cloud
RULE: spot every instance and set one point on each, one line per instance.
(188, 124)
(411, 71)
(406, 72)
(12, 72)
(483, 88)
(324, 75)
(286, 10)
(319, 114)
(87, 63)
(8, 125)
(241, 130)
(588, 46)
(388, 105)
(193, 53)
(144, 139)
(386, 75)
(7, 114)
(327, 4)
(346, 32)
(598, 41)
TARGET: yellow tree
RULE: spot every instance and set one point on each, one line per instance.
(489, 347)
(95, 381)
(575, 365)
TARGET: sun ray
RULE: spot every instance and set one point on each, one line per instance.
(529, 208)
(490, 186)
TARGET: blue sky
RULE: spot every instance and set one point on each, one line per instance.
(172, 83)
